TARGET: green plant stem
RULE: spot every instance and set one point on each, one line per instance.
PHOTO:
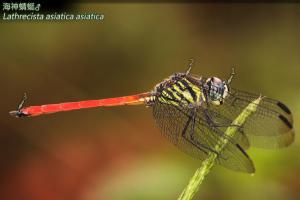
(195, 182)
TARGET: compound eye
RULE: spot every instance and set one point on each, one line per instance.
(217, 90)
(214, 81)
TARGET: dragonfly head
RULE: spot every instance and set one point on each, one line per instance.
(216, 90)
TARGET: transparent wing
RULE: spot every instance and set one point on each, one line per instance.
(196, 137)
(271, 126)
(221, 123)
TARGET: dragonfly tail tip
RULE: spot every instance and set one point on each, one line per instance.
(17, 114)
(14, 113)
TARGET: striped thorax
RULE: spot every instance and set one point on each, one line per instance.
(182, 89)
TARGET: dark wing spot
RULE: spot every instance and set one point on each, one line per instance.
(286, 121)
(284, 107)
(242, 150)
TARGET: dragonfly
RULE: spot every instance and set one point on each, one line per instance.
(193, 112)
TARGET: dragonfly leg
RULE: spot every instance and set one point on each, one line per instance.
(191, 139)
(216, 127)
(192, 135)
(206, 97)
(236, 99)
(212, 123)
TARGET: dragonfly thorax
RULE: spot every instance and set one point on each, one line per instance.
(216, 90)
(182, 89)
(179, 89)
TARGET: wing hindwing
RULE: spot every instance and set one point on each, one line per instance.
(192, 134)
(171, 121)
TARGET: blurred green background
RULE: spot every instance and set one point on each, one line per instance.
(118, 153)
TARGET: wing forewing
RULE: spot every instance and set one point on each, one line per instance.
(271, 126)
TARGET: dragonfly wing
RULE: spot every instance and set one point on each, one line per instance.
(171, 122)
(233, 155)
(271, 126)
(222, 123)
(174, 121)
